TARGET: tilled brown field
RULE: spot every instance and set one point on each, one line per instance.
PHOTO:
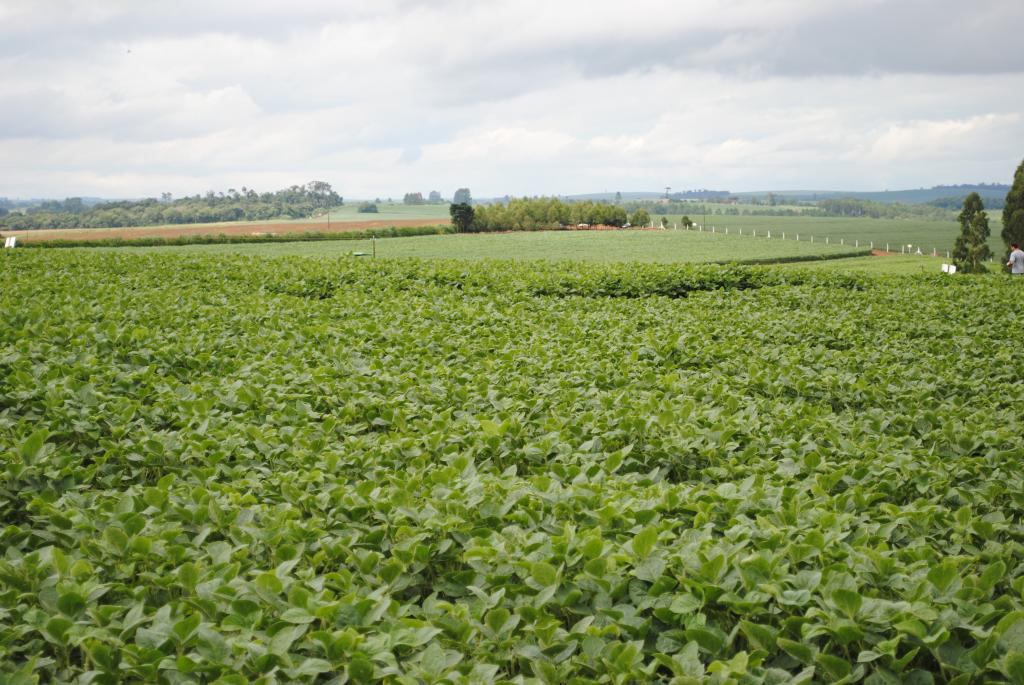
(214, 229)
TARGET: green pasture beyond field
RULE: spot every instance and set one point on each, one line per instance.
(239, 470)
(591, 246)
(939, 235)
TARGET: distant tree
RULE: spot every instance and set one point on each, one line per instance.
(1013, 212)
(664, 222)
(462, 216)
(321, 193)
(462, 196)
(641, 217)
(618, 197)
(367, 208)
(434, 198)
(771, 199)
(686, 222)
(971, 248)
(413, 199)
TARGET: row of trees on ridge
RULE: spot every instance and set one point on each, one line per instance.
(535, 214)
(296, 202)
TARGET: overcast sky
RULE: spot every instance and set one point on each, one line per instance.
(127, 98)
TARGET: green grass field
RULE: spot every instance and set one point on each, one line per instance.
(591, 246)
(390, 212)
(898, 264)
(939, 235)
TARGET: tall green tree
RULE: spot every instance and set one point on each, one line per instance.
(462, 196)
(1013, 212)
(971, 248)
(640, 218)
(462, 217)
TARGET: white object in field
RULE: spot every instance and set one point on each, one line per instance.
(11, 241)
(872, 244)
(769, 234)
(842, 241)
(918, 253)
(798, 237)
(949, 268)
(812, 238)
(783, 235)
(857, 243)
(826, 240)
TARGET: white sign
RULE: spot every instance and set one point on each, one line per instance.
(949, 268)
(11, 241)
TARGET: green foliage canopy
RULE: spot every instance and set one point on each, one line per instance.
(1013, 211)
(971, 250)
(297, 470)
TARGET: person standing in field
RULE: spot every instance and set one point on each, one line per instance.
(1016, 262)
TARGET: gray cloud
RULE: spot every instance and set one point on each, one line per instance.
(527, 96)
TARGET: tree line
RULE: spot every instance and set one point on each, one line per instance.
(971, 250)
(881, 210)
(536, 214)
(462, 196)
(295, 202)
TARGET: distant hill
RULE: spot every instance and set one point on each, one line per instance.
(702, 194)
(988, 191)
(993, 194)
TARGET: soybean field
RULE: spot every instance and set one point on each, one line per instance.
(667, 246)
(224, 468)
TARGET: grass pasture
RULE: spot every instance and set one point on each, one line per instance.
(927, 234)
(220, 468)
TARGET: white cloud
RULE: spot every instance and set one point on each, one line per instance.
(124, 98)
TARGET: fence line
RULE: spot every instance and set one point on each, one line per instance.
(904, 249)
